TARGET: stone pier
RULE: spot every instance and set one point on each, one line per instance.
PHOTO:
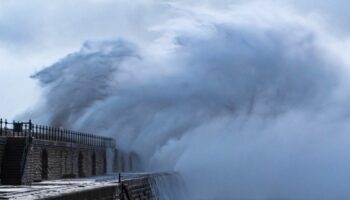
(130, 187)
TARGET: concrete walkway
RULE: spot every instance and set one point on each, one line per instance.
(52, 189)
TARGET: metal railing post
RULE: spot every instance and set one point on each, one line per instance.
(54, 134)
(30, 128)
(24, 131)
(41, 135)
(36, 131)
(13, 131)
(1, 126)
(46, 133)
(6, 127)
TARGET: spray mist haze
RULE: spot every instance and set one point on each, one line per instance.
(244, 102)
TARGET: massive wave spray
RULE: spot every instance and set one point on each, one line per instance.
(243, 102)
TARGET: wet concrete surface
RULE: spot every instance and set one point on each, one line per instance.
(47, 189)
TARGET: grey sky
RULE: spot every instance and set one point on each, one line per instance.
(36, 33)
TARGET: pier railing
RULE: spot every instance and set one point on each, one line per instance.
(16, 128)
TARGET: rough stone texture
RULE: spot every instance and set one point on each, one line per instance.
(2, 149)
(138, 189)
(62, 160)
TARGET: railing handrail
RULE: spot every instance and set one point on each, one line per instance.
(53, 133)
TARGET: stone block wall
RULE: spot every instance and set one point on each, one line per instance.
(64, 160)
(138, 188)
(2, 149)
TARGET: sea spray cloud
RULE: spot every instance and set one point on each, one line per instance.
(82, 78)
(242, 105)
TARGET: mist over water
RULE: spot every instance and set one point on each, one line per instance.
(244, 102)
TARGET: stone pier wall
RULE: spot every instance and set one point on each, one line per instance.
(63, 160)
(2, 149)
(49, 160)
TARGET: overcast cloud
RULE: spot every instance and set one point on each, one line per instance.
(36, 33)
